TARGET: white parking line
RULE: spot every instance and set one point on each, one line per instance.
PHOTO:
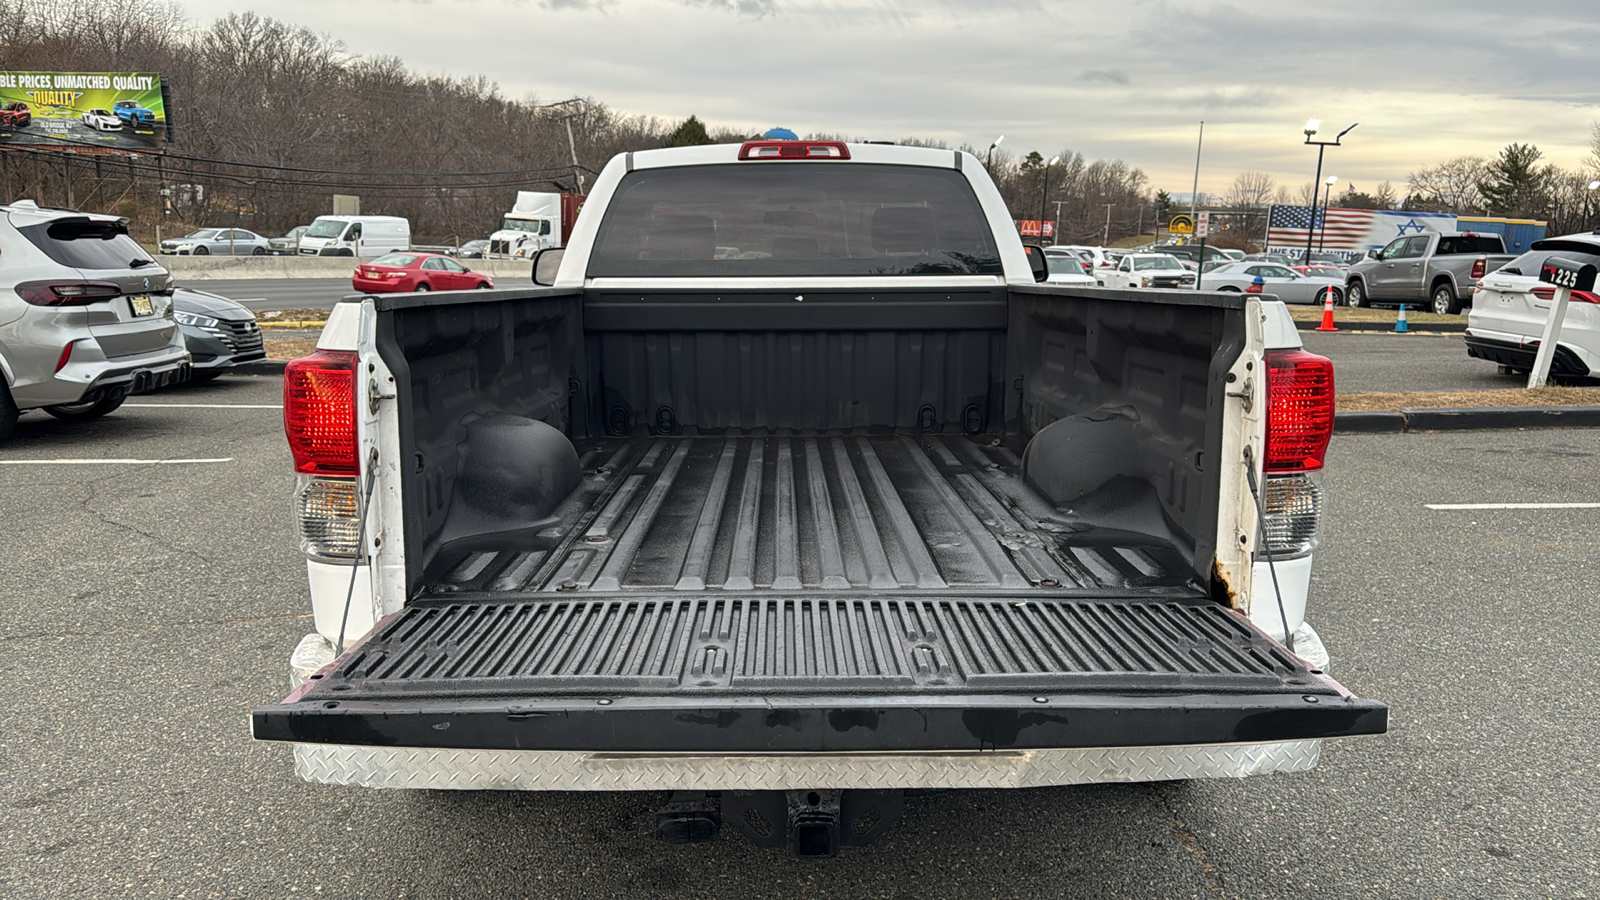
(1512, 505)
(203, 405)
(112, 462)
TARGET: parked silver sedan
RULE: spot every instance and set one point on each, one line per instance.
(1281, 281)
(217, 242)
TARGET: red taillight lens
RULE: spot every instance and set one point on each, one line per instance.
(319, 412)
(794, 150)
(1546, 292)
(1299, 410)
(1480, 267)
(67, 293)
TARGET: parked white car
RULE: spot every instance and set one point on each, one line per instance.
(1147, 270)
(1510, 305)
(1281, 281)
(102, 120)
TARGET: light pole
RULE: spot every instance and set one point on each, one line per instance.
(1194, 190)
(1327, 199)
(988, 158)
(1311, 132)
(1593, 186)
(1044, 195)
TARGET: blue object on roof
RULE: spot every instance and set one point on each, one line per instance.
(781, 134)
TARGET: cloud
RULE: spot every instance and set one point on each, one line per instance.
(599, 6)
(755, 9)
(1113, 76)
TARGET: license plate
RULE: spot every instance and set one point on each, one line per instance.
(372, 274)
(141, 304)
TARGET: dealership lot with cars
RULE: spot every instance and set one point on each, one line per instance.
(129, 771)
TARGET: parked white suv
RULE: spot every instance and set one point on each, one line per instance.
(85, 315)
(1510, 306)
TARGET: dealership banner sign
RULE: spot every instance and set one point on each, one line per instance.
(83, 110)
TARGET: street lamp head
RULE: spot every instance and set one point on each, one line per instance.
(1332, 180)
(1594, 185)
(1053, 160)
(997, 142)
(1312, 125)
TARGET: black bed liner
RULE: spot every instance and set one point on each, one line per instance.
(770, 674)
(826, 512)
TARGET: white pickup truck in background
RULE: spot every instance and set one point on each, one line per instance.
(781, 535)
(1146, 270)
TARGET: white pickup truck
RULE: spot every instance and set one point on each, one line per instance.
(780, 536)
(1146, 270)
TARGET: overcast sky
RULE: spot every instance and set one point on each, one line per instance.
(1426, 79)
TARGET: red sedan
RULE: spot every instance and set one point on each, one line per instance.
(404, 273)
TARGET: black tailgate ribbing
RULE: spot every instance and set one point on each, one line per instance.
(828, 513)
(668, 646)
(773, 675)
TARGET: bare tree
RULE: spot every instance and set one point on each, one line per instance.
(1451, 186)
(1384, 197)
(1249, 190)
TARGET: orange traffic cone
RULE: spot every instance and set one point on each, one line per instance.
(1327, 314)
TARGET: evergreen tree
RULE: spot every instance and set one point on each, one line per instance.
(691, 133)
(1513, 185)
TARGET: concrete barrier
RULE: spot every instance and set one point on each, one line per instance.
(208, 268)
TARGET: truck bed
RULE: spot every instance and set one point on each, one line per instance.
(830, 513)
(885, 521)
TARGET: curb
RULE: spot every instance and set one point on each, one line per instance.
(1368, 423)
(1388, 327)
(1480, 419)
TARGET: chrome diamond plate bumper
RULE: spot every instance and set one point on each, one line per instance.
(529, 770)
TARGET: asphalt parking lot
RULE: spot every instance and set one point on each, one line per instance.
(1414, 361)
(151, 606)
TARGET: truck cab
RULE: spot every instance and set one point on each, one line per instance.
(865, 507)
(537, 221)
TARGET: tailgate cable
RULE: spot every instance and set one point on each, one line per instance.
(1266, 546)
(363, 499)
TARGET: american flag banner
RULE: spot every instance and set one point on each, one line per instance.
(1346, 230)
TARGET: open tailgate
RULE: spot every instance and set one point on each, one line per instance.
(671, 674)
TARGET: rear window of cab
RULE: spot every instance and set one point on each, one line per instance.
(794, 219)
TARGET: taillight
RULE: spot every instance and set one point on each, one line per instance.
(794, 150)
(1546, 292)
(1480, 267)
(67, 293)
(319, 412)
(1299, 410)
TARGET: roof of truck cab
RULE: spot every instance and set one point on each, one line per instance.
(712, 154)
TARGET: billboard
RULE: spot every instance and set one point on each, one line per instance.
(83, 110)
